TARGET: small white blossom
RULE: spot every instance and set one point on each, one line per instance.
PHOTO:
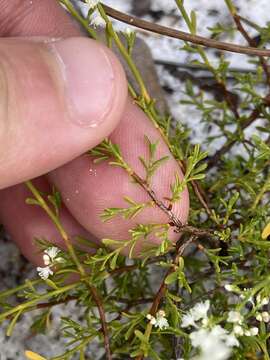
(238, 330)
(97, 20)
(254, 331)
(46, 259)
(265, 316)
(44, 272)
(151, 319)
(128, 31)
(199, 311)
(258, 299)
(259, 317)
(231, 340)
(229, 287)
(161, 322)
(92, 3)
(161, 313)
(86, 6)
(235, 317)
(265, 301)
(50, 255)
(188, 320)
(215, 341)
(262, 301)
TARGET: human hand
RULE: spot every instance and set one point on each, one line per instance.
(58, 99)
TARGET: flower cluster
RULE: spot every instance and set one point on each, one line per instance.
(257, 302)
(92, 3)
(209, 339)
(159, 321)
(239, 329)
(50, 258)
(97, 20)
(89, 9)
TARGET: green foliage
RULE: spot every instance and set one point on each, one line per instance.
(123, 288)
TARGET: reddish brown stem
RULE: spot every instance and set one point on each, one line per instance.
(213, 160)
(163, 287)
(104, 328)
(195, 39)
(251, 42)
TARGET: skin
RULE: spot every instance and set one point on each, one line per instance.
(51, 149)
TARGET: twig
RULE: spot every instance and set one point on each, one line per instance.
(194, 67)
(104, 327)
(163, 287)
(257, 111)
(213, 160)
(76, 260)
(131, 303)
(252, 43)
(174, 221)
(177, 34)
(166, 209)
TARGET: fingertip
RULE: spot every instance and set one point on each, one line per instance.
(61, 98)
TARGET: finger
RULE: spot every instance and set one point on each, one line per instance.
(56, 102)
(38, 17)
(25, 223)
(89, 188)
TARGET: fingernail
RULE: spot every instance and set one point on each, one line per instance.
(88, 79)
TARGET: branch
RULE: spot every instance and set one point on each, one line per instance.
(177, 34)
(252, 43)
(213, 160)
(174, 220)
(163, 287)
(103, 322)
(195, 67)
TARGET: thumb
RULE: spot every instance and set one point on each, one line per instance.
(58, 99)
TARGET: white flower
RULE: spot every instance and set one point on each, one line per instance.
(254, 331)
(238, 330)
(265, 316)
(199, 311)
(259, 317)
(151, 319)
(92, 3)
(262, 301)
(46, 259)
(86, 6)
(265, 301)
(161, 322)
(215, 341)
(44, 272)
(188, 320)
(258, 298)
(161, 313)
(50, 255)
(229, 287)
(97, 20)
(129, 31)
(231, 340)
(235, 317)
